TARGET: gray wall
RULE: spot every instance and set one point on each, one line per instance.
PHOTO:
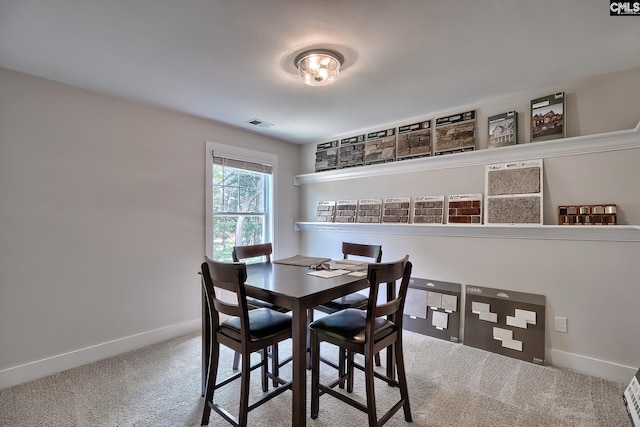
(102, 225)
(102, 211)
(594, 284)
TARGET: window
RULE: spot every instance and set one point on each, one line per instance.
(240, 192)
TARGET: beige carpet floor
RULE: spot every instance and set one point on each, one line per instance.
(450, 385)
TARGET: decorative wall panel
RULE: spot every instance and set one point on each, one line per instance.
(369, 210)
(414, 140)
(325, 211)
(346, 210)
(514, 193)
(428, 210)
(465, 209)
(505, 322)
(396, 209)
(380, 147)
(433, 308)
(456, 133)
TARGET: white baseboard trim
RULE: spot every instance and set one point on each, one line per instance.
(590, 366)
(41, 368)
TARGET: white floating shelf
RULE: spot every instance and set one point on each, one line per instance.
(604, 142)
(607, 233)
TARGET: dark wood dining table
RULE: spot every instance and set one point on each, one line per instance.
(291, 287)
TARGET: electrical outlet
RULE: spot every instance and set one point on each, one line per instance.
(561, 324)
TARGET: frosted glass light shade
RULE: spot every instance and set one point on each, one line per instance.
(318, 67)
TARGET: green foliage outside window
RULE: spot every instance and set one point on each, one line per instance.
(239, 209)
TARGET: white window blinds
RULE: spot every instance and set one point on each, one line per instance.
(242, 164)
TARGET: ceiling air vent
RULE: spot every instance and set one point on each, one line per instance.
(259, 123)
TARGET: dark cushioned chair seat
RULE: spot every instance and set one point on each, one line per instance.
(262, 323)
(354, 300)
(349, 325)
(256, 303)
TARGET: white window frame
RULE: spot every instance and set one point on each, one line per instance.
(238, 153)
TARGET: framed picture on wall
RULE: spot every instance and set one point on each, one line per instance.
(548, 117)
(503, 129)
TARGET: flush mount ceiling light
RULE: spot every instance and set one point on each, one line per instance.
(318, 67)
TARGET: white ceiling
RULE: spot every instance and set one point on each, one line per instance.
(232, 60)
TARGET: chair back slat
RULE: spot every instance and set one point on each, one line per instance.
(388, 308)
(388, 273)
(252, 251)
(362, 250)
(230, 277)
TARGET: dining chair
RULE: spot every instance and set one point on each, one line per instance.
(354, 300)
(263, 251)
(245, 331)
(366, 332)
(252, 251)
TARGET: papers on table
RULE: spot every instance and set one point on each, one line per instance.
(302, 261)
(327, 273)
(358, 274)
(327, 267)
(351, 262)
(348, 264)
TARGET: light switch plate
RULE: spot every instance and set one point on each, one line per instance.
(561, 324)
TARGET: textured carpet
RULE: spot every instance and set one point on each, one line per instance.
(449, 384)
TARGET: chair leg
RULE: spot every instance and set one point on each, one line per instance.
(275, 361)
(315, 375)
(342, 360)
(211, 382)
(369, 387)
(236, 360)
(402, 380)
(244, 391)
(377, 357)
(264, 365)
(350, 369)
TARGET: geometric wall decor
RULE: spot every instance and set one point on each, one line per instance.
(522, 318)
(484, 312)
(505, 322)
(432, 308)
(505, 336)
(514, 193)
